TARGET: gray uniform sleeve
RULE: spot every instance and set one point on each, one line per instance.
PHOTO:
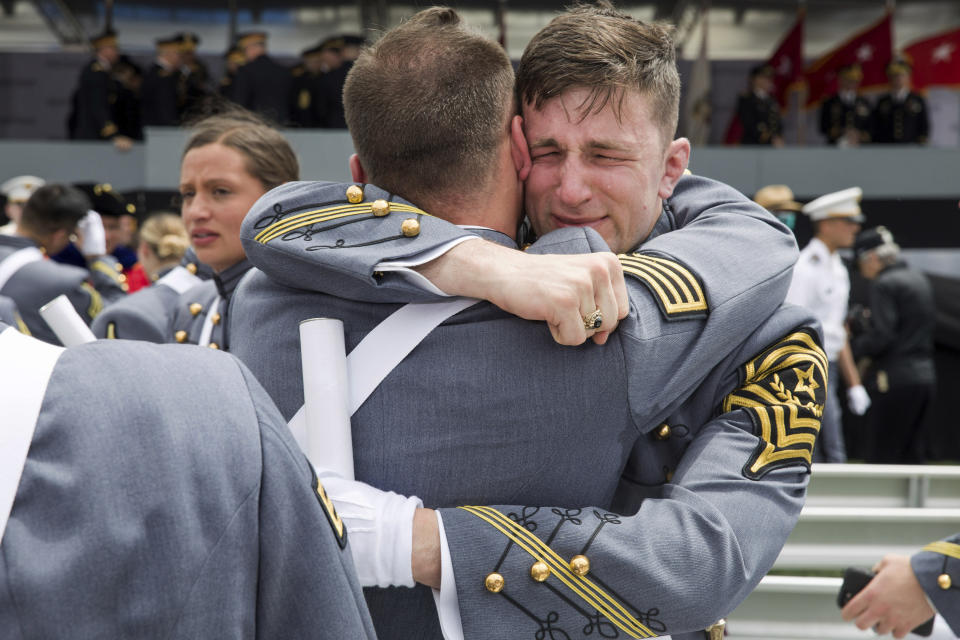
(672, 557)
(343, 240)
(107, 277)
(937, 567)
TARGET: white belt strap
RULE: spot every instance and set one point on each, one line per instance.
(387, 345)
(16, 260)
(179, 279)
(207, 329)
(25, 368)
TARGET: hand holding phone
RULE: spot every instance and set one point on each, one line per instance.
(854, 580)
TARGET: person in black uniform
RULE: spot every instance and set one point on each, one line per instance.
(232, 61)
(897, 336)
(129, 77)
(845, 116)
(196, 78)
(900, 116)
(331, 83)
(162, 94)
(306, 105)
(92, 117)
(262, 85)
(759, 113)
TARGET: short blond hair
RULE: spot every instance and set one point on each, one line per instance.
(428, 106)
(166, 236)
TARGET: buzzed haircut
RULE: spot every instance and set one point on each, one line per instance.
(428, 105)
(54, 207)
(598, 48)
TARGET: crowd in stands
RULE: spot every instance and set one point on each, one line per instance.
(115, 98)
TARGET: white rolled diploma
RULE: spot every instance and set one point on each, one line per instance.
(329, 442)
(66, 323)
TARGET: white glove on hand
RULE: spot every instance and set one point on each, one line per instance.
(379, 529)
(93, 237)
(858, 400)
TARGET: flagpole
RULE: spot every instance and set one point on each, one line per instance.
(801, 95)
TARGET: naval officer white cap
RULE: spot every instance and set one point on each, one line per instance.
(839, 204)
(20, 188)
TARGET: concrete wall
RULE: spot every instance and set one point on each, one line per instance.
(884, 172)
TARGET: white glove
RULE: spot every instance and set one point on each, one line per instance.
(93, 237)
(379, 528)
(857, 400)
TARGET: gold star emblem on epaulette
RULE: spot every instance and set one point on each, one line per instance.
(810, 385)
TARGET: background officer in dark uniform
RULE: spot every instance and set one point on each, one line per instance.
(331, 83)
(900, 116)
(306, 105)
(232, 61)
(759, 113)
(845, 116)
(162, 94)
(195, 75)
(898, 338)
(262, 85)
(93, 101)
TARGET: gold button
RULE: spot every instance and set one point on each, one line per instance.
(580, 565)
(663, 432)
(180, 336)
(195, 308)
(410, 227)
(118, 267)
(192, 268)
(213, 345)
(354, 194)
(539, 571)
(121, 278)
(944, 581)
(215, 318)
(380, 208)
(494, 583)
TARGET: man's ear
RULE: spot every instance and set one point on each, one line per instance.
(675, 163)
(356, 169)
(519, 150)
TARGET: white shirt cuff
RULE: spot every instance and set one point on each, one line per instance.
(403, 267)
(446, 600)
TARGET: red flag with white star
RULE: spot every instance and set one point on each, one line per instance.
(935, 60)
(787, 62)
(872, 49)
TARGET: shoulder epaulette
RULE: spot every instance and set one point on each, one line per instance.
(676, 288)
(301, 221)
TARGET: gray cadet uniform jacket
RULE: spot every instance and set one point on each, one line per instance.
(489, 411)
(937, 567)
(146, 314)
(190, 513)
(38, 282)
(10, 315)
(200, 313)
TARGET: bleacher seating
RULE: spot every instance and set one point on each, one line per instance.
(854, 515)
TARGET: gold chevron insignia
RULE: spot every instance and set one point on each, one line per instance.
(677, 290)
(783, 390)
(336, 523)
(326, 214)
(581, 586)
(96, 302)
